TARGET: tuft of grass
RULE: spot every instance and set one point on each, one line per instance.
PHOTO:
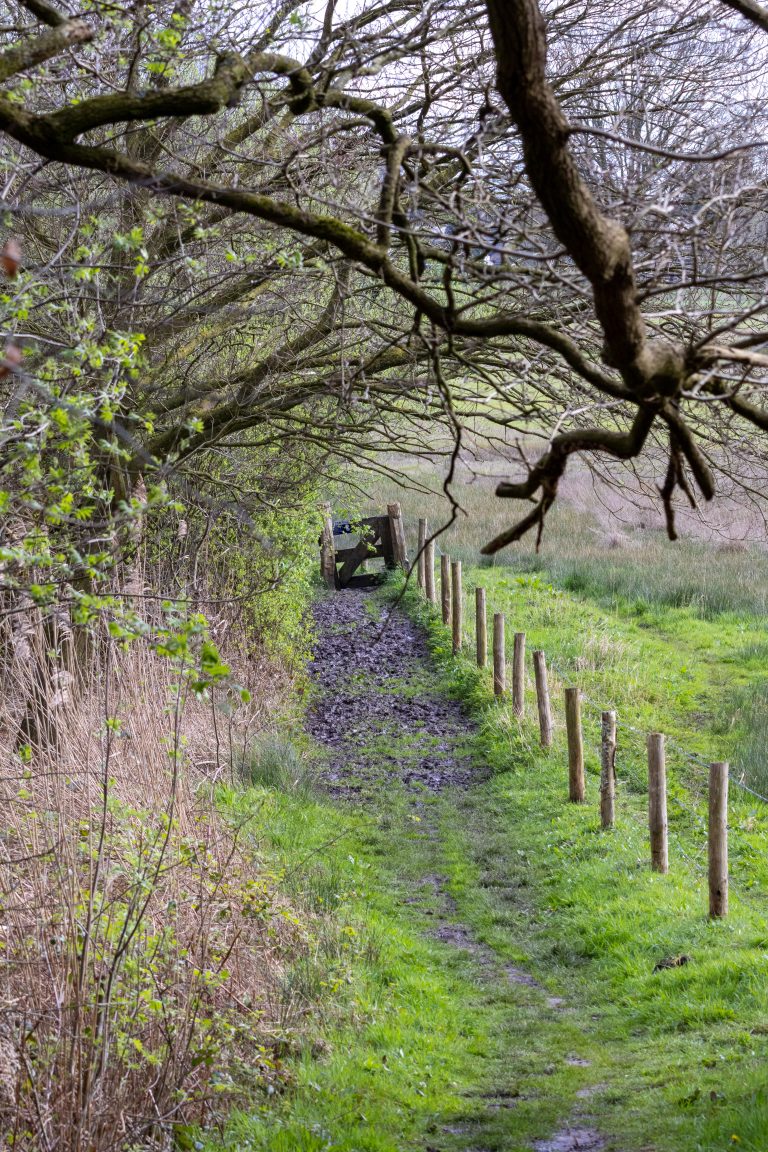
(274, 762)
(749, 707)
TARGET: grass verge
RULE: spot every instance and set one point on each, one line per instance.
(677, 1054)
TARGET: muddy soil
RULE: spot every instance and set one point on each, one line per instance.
(362, 663)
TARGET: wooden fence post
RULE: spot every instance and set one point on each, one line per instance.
(576, 786)
(718, 839)
(445, 587)
(481, 628)
(429, 571)
(518, 676)
(327, 549)
(422, 556)
(608, 770)
(499, 655)
(542, 699)
(398, 535)
(458, 605)
(657, 802)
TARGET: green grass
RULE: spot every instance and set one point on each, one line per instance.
(274, 762)
(680, 1052)
(403, 1045)
(747, 707)
(700, 680)
(401, 1041)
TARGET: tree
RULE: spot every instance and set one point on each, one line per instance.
(591, 253)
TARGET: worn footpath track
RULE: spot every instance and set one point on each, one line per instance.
(382, 728)
(362, 662)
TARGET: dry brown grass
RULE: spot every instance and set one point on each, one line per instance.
(141, 942)
(601, 540)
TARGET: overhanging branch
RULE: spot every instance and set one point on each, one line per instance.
(547, 472)
(750, 11)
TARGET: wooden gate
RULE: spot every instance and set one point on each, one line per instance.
(378, 537)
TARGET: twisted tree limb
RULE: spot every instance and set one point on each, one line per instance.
(547, 472)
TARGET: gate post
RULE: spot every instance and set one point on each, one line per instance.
(327, 549)
(398, 535)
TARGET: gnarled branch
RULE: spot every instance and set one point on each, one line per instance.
(547, 472)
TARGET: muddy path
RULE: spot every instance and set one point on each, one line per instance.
(382, 725)
(365, 665)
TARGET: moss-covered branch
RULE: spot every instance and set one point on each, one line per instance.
(47, 45)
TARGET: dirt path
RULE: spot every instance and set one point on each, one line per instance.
(365, 668)
(383, 728)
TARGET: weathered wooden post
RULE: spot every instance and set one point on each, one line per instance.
(422, 556)
(458, 605)
(718, 839)
(398, 535)
(327, 549)
(499, 655)
(518, 675)
(608, 770)
(657, 802)
(576, 785)
(481, 628)
(542, 699)
(445, 587)
(429, 571)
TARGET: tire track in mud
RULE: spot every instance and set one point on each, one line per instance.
(369, 671)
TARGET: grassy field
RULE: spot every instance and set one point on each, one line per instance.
(410, 1044)
(586, 549)
(680, 1052)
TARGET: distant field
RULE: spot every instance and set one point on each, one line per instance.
(596, 541)
(694, 610)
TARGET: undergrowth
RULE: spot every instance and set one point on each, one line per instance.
(144, 944)
(141, 939)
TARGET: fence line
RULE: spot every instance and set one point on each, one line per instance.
(718, 775)
(693, 757)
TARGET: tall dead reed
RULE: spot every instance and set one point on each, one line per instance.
(140, 941)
